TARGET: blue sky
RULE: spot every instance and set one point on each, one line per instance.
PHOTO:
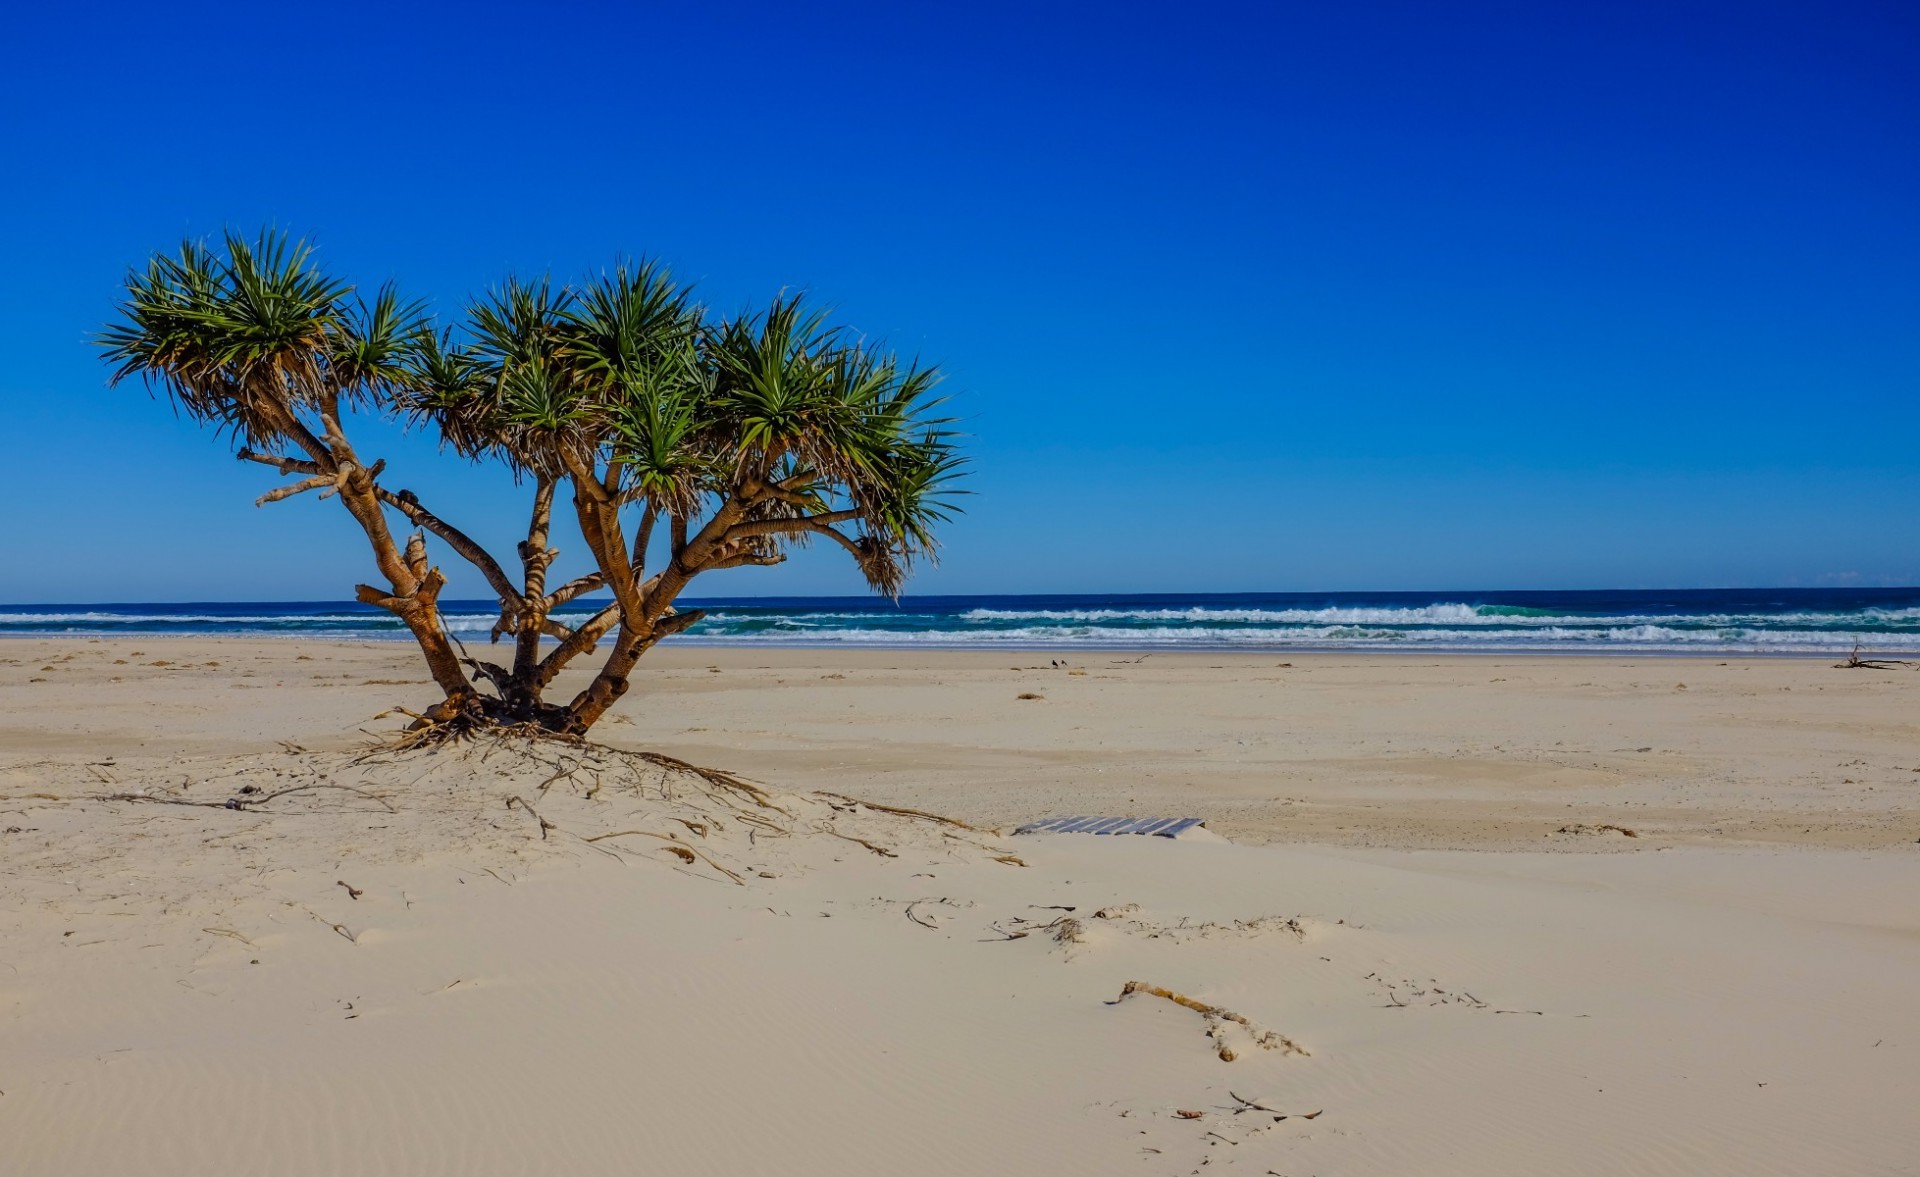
(1234, 297)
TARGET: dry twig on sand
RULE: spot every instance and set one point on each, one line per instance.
(1215, 1016)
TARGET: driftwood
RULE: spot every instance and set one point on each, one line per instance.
(1216, 1016)
(1856, 662)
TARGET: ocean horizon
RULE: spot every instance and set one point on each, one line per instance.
(1812, 621)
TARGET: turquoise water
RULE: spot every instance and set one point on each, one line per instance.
(1811, 621)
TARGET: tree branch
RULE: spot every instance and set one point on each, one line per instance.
(583, 476)
(577, 643)
(317, 482)
(741, 531)
(283, 464)
(575, 588)
(799, 496)
(408, 504)
(745, 559)
(675, 623)
(837, 537)
(643, 538)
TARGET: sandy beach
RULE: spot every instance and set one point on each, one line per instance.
(1481, 915)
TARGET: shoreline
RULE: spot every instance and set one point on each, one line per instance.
(403, 639)
(1784, 622)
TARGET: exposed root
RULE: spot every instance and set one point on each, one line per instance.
(762, 824)
(686, 853)
(1254, 1105)
(882, 851)
(1216, 1017)
(581, 796)
(248, 802)
(713, 776)
(243, 802)
(901, 811)
(151, 800)
(545, 825)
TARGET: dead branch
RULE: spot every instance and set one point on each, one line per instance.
(1215, 1015)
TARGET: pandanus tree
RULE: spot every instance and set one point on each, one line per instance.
(684, 444)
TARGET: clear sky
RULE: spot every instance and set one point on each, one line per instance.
(1234, 296)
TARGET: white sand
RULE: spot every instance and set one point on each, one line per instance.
(1730, 992)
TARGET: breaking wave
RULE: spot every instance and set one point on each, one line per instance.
(1812, 621)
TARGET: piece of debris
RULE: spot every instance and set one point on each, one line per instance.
(1159, 827)
(1605, 828)
(1856, 662)
(1265, 1038)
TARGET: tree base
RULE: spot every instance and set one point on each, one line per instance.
(479, 715)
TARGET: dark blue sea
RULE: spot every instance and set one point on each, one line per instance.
(1757, 621)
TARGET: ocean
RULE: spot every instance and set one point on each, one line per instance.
(1689, 621)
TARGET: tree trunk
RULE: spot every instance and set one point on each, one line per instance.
(520, 698)
(608, 685)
